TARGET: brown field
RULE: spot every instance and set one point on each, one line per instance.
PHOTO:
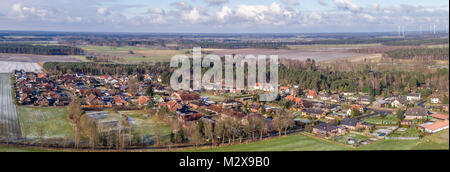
(318, 54)
(36, 58)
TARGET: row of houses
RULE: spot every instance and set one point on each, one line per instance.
(38, 89)
(324, 129)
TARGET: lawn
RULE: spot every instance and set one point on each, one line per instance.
(149, 125)
(410, 132)
(216, 98)
(378, 120)
(49, 122)
(294, 142)
(437, 141)
(344, 138)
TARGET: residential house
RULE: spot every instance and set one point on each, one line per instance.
(328, 130)
(413, 97)
(365, 100)
(355, 107)
(399, 102)
(416, 113)
(439, 116)
(324, 96)
(435, 99)
(313, 112)
(353, 124)
(335, 98)
(311, 94)
(143, 100)
(380, 103)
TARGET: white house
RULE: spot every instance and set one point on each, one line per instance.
(413, 97)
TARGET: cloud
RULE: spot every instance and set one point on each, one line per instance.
(265, 14)
(224, 14)
(103, 11)
(181, 5)
(157, 15)
(215, 2)
(195, 16)
(322, 2)
(291, 2)
(347, 5)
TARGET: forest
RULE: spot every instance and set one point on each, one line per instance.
(418, 53)
(309, 76)
(91, 68)
(39, 49)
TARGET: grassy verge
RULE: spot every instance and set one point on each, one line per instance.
(46, 122)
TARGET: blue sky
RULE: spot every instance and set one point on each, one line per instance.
(223, 16)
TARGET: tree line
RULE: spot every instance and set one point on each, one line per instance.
(419, 53)
(40, 49)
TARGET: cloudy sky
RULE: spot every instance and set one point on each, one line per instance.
(223, 16)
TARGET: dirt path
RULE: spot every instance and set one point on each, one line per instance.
(9, 123)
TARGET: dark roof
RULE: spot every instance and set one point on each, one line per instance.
(416, 111)
(364, 98)
(312, 110)
(350, 121)
(326, 126)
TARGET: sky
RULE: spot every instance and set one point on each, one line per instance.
(223, 16)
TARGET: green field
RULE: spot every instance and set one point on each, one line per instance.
(47, 122)
(149, 125)
(289, 143)
(438, 141)
(410, 132)
(109, 48)
(378, 120)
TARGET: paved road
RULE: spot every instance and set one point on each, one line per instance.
(9, 123)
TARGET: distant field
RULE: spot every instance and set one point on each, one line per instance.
(51, 121)
(138, 55)
(438, 141)
(302, 54)
(315, 46)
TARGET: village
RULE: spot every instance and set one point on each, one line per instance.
(348, 118)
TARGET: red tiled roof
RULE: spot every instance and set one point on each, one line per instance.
(437, 125)
(439, 116)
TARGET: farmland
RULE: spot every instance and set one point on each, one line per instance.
(306, 143)
(129, 54)
(9, 123)
(8, 67)
(45, 122)
(288, 143)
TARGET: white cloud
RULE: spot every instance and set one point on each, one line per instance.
(102, 11)
(347, 5)
(181, 5)
(157, 15)
(224, 13)
(322, 2)
(215, 2)
(291, 2)
(194, 16)
(263, 14)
